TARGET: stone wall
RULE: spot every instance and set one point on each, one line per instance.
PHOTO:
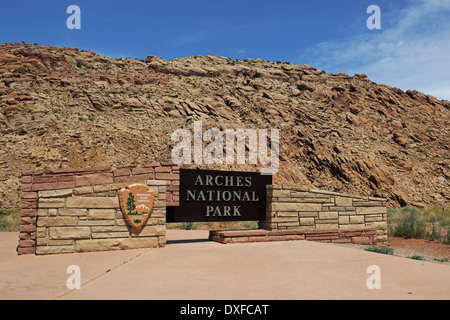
(353, 235)
(34, 182)
(296, 208)
(89, 219)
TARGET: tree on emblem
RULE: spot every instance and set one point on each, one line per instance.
(131, 205)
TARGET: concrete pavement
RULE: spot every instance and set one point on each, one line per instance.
(190, 267)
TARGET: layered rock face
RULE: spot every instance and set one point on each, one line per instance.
(62, 108)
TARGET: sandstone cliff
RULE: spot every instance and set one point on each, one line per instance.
(60, 107)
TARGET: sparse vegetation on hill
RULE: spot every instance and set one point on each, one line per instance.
(62, 108)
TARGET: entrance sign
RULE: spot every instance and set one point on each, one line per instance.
(207, 196)
(136, 202)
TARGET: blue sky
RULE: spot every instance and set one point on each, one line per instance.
(410, 51)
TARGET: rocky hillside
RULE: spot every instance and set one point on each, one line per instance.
(60, 107)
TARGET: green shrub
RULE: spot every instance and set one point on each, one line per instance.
(9, 220)
(416, 257)
(410, 223)
(383, 250)
(447, 237)
(436, 230)
(188, 226)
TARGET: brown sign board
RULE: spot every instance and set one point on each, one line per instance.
(218, 196)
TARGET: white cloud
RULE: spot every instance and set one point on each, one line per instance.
(411, 54)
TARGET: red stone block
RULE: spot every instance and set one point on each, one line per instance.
(28, 228)
(258, 239)
(26, 243)
(45, 179)
(130, 178)
(24, 236)
(167, 176)
(27, 204)
(27, 187)
(28, 212)
(27, 250)
(360, 240)
(140, 170)
(53, 186)
(93, 179)
(163, 169)
(26, 179)
(153, 164)
(172, 188)
(65, 178)
(342, 240)
(171, 164)
(122, 172)
(25, 220)
(28, 195)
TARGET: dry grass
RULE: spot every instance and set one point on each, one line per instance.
(420, 223)
(9, 220)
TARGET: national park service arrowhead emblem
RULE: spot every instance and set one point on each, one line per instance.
(136, 202)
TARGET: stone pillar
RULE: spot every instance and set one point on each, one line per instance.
(87, 219)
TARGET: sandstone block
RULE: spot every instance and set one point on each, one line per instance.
(102, 188)
(98, 229)
(88, 223)
(156, 183)
(93, 202)
(102, 214)
(57, 221)
(281, 193)
(328, 215)
(104, 235)
(327, 225)
(307, 221)
(82, 191)
(344, 220)
(72, 212)
(70, 233)
(356, 219)
(371, 210)
(115, 244)
(281, 206)
(55, 193)
(343, 201)
(54, 249)
(41, 232)
(46, 203)
(373, 218)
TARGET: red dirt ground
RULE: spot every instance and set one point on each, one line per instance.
(420, 247)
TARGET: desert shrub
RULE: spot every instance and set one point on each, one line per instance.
(436, 230)
(416, 257)
(188, 226)
(9, 220)
(383, 250)
(447, 237)
(408, 223)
